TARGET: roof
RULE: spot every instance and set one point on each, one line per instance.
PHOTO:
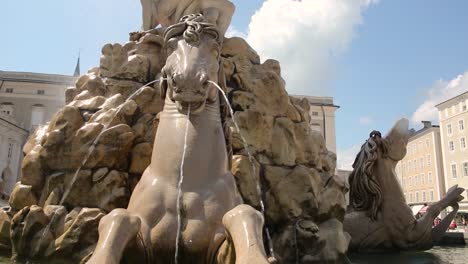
(423, 131)
(36, 78)
(452, 99)
(318, 101)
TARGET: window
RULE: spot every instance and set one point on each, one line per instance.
(463, 143)
(10, 150)
(417, 197)
(420, 146)
(449, 129)
(403, 183)
(40, 92)
(461, 125)
(451, 146)
(416, 180)
(409, 166)
(423, 196)
(411, 197)
(465, 169)
(431, 196)
(428, 144)
(315, 113)
(410, 180)
(403, 168)
(421, 163)
(9, 90)
(454, 170)
(423, 178)
(429, 177)
(464, 107)
(415, 165)
(428, 158)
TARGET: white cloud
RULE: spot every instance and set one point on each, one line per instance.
(306, 37)
(439, 92)
(234, 32)
(345, 157)
(365, 120)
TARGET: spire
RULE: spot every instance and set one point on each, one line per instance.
(77, 68)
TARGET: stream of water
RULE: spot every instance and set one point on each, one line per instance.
(85, 160)
(179, 191)
(252, 162)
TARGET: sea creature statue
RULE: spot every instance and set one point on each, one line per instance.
(169, 12)
(379, 218)
(214, 225)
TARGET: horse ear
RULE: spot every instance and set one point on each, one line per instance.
(163, 84)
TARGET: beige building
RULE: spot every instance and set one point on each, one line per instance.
(420, 172)
(27, 100)
(322, 113)
(453, 116)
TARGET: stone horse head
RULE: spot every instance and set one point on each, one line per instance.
(380, 217)
(375, 165)
(193, 64)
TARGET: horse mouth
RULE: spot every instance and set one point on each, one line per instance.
(192, 107)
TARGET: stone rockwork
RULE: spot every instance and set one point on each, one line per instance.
(93, 152)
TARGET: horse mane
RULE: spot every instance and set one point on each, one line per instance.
(365, 191)
(191, 27)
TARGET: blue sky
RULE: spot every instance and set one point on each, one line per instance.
(388, 59)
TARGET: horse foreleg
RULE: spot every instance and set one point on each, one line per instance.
(116, 230)
(422, 231)
(244, 226)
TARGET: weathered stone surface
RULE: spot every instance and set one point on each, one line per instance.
(5, 224)
(51, 233)
(79, 236)
(335, 244)
(91, 83)
(247, 179)
(235, 46)
(141, 157)
(32, 168)
(22, 196)
(91, 104)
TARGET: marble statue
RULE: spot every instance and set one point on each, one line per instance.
(379, 218)
(169, 12)
(216, 227)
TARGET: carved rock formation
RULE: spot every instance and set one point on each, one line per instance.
(93, 152)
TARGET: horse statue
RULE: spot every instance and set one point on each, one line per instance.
(169, 12)
(215, 227)
(379, 218)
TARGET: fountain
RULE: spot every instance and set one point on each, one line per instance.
(180, 147)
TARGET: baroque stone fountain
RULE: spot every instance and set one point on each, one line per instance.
(181, 147)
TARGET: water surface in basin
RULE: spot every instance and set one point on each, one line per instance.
(437, 255)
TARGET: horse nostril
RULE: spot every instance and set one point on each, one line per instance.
(204, 79)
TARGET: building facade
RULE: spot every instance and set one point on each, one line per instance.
(420, 172)
(453, 116)
(322, 118)
(27, 100)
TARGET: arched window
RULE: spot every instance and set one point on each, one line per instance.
(37, 116)
(7, 108)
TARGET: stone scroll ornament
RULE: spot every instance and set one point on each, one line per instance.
(379, 218)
